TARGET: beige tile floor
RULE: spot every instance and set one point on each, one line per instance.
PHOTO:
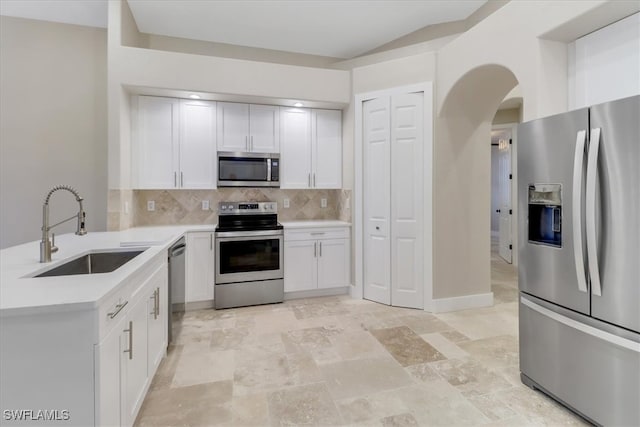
(339, 361)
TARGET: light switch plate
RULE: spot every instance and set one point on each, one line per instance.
(205, 205)
(323, 203)
(126, 207)
(286, 203)
(151, 205)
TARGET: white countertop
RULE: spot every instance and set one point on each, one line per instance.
(315, 223)
(22, 294)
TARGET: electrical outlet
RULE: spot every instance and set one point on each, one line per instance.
(286, 203)
(323, 203)
(205, 205)
(151, 205)
(126, 207)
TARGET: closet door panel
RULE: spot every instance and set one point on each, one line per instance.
(377, 189)
(407, 179)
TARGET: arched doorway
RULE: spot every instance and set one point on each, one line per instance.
(462, 182)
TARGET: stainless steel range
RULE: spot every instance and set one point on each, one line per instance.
(249, 255)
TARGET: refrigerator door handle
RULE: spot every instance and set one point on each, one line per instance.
(590, 214)
(576, 208)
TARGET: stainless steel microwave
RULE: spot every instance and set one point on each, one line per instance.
(248, 169)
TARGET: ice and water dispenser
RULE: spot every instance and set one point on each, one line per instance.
(545, 214)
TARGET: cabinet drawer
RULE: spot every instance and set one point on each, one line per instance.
(319, 233)
(117, 305)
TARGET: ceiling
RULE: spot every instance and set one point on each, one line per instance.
(335, 28)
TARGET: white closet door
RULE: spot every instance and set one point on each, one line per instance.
(407, 180)
(377, 190)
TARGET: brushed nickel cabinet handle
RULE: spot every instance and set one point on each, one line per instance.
(181, 179)
(130, 331)
(118, 309)
(315, 252)
(175, 179)
(320, 248)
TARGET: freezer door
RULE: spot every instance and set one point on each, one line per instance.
(617, 213)
(552, 265)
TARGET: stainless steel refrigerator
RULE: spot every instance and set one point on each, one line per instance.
(579, 268)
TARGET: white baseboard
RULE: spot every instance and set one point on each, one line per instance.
(442, 305)
(344, 290)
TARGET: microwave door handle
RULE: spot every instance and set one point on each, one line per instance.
(268, 169)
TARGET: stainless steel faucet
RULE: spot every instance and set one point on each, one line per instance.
(47, 247)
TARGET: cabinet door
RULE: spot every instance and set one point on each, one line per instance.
(135, 360)
(155, 143)
(334, 260)
(200, 267)
(326, 142)
(233, 126)
(157, 318)
(108, 356)
(300, 265)
(295, 148)
(264, 127)
(197, 144)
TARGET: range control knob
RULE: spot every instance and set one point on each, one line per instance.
(223, 207)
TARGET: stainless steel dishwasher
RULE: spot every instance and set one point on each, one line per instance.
(176, 290)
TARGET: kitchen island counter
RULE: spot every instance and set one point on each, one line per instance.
(21, 293)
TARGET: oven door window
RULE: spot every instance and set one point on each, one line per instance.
(242, 169)
(242, 256)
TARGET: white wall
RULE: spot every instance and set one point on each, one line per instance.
(52, 126)
(471, 82)
(605, 65)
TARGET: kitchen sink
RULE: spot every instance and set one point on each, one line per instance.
(93, 263)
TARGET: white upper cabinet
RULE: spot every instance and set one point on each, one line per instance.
(311, 148)
(197, 144)
(264, 127)
(295, 155)
(233, 126)
(326, 145)
(174, 143)
(248, 128)
(155, 143)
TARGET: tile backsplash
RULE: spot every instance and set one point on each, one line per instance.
(185, 206)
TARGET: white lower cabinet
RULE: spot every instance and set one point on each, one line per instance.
(109, 377)
(135, 360)
(200, 266)
(126, 359)
(316, 259)
(157, 322)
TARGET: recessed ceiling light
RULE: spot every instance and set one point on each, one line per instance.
(298, 104)
(194, 96)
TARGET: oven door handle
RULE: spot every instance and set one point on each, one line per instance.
(258, 234)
